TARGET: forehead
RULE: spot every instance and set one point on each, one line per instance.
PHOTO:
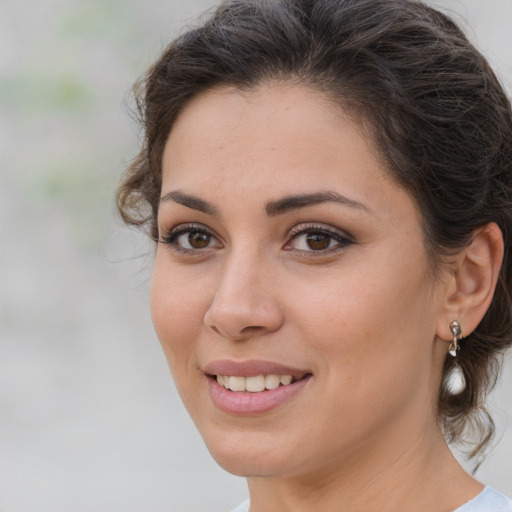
(275, 139)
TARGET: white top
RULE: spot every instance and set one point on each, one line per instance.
(489, 500)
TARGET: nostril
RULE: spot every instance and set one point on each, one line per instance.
(243, 334)
(238, 335)
(215, 329)
(251, 329)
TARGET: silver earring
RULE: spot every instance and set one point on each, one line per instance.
(457, 336)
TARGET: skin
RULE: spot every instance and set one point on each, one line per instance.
(365, 316)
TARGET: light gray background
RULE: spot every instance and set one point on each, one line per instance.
(89, 419)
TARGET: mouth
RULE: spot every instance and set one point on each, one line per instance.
(253, 387)
(255, 383)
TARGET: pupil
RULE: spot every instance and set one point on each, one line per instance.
(198, 240)
(318, 241)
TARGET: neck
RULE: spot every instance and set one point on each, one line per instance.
(413, 473)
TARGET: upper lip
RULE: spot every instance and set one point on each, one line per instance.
(251, 368)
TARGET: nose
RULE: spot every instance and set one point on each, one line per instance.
(245, 302)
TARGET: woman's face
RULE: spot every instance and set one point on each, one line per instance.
(288, 260)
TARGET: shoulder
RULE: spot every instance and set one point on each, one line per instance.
(244, 507)
(489, 500)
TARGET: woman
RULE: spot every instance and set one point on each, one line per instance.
(329, 186)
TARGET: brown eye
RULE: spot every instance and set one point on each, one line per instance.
(318, 241)
(198, 240)
(191, 238)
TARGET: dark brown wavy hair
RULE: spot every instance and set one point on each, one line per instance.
(436, 112)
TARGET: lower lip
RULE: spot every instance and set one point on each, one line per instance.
(246, 403)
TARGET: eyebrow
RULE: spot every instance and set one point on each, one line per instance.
(192, 202)
(272, 208)
(295, 202)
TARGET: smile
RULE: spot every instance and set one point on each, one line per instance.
(253, 387)
(254, 384)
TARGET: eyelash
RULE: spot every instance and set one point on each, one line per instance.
(171, 237)
(343, 240)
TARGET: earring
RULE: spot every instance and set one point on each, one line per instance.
(457, 336)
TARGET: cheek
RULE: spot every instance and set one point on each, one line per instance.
(370, 340)
(372, 322)
(178, 306)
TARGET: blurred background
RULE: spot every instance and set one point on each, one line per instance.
(89, 418)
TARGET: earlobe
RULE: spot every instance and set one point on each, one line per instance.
(472, 284)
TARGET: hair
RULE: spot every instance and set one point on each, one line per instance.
(437, 116)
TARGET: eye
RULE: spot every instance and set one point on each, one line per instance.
(190, 238)
(318, 239)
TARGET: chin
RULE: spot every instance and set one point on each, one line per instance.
(249, 454)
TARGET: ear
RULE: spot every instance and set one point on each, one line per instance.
(471, 285)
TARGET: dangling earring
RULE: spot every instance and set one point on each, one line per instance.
(455, 380)
(457, 336)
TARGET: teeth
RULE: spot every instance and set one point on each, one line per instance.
(272, 381)
(254, 384)
(285, 379)
(235, 383)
